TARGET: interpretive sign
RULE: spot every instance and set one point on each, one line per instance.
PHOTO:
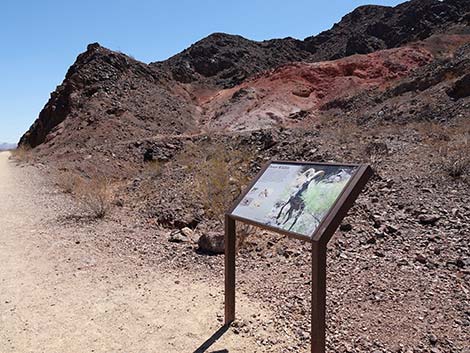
(294, 197)
(303, 200)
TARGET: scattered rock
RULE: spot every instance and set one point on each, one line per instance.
(391, 229)
(432, 339)
(189, 234)
(212, 242)
(461, 263)
(148, 155)
(428, 219)
(420, 258)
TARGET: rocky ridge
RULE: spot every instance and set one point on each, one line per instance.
(400, 103)
(106, 90)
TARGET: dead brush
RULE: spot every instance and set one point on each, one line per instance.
(94, 195)
(451, 145)
(219, 174)
(68, 181)
(431, 131)
(21, 154)
(155, 168)
(455, 159)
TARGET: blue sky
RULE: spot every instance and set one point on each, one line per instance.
(41, 38)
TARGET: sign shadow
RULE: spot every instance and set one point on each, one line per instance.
(211, 340)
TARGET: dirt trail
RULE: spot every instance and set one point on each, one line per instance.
(60, 296)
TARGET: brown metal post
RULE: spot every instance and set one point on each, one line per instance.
(230, 249)
(318, 297)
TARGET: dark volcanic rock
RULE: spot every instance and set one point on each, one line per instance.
(370, 28)
(461, 88)
(106, 90)
(212, 242)
(227, 59)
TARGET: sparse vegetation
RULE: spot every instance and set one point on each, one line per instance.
(455, 159)
(155, 168)
(220, 173)
(68, 182)
(451, 145)
(94, 195)
(21, 154)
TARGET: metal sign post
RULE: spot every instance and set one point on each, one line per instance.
(230, 249)
(262, 205)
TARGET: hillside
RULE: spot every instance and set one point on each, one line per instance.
(387, 86)
(108, 90)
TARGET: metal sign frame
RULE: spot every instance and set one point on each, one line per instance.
(319, 240)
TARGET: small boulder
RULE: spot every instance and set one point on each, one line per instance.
(148, 155)
(212, 242)
(421, 258)
(428, 219)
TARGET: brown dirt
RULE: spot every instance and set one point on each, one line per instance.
(60, 294)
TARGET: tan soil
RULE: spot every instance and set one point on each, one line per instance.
(59, 296)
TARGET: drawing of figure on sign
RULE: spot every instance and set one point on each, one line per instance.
(292, 209)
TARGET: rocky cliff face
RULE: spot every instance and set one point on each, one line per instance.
(227, 60)
(371, 28)
(107, 96)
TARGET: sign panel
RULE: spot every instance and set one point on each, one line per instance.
(294, 197)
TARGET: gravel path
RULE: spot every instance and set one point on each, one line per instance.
(59, 293)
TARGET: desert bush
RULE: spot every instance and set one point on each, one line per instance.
(68, 182)
(453, 152)
(455, 159)
(22, 153)
(219, 175)
(431, 132)
(376, 150)
(94, 195)
(155, 168)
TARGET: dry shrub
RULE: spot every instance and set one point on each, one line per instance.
(220, 173)
(94, 195)
(343, 131)
(376, 151)
(431, 131)
(68, 182)
(155, 168)
(452, 147)
(22, 153)
(455, 159)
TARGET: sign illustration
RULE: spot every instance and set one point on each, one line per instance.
(294, 197)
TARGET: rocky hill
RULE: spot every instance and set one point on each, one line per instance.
(227, 60)
(371, 28)
(388, 86)
(106, 90)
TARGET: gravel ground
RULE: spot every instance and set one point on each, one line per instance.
(61, 293)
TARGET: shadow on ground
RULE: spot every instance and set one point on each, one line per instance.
(211, 340)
